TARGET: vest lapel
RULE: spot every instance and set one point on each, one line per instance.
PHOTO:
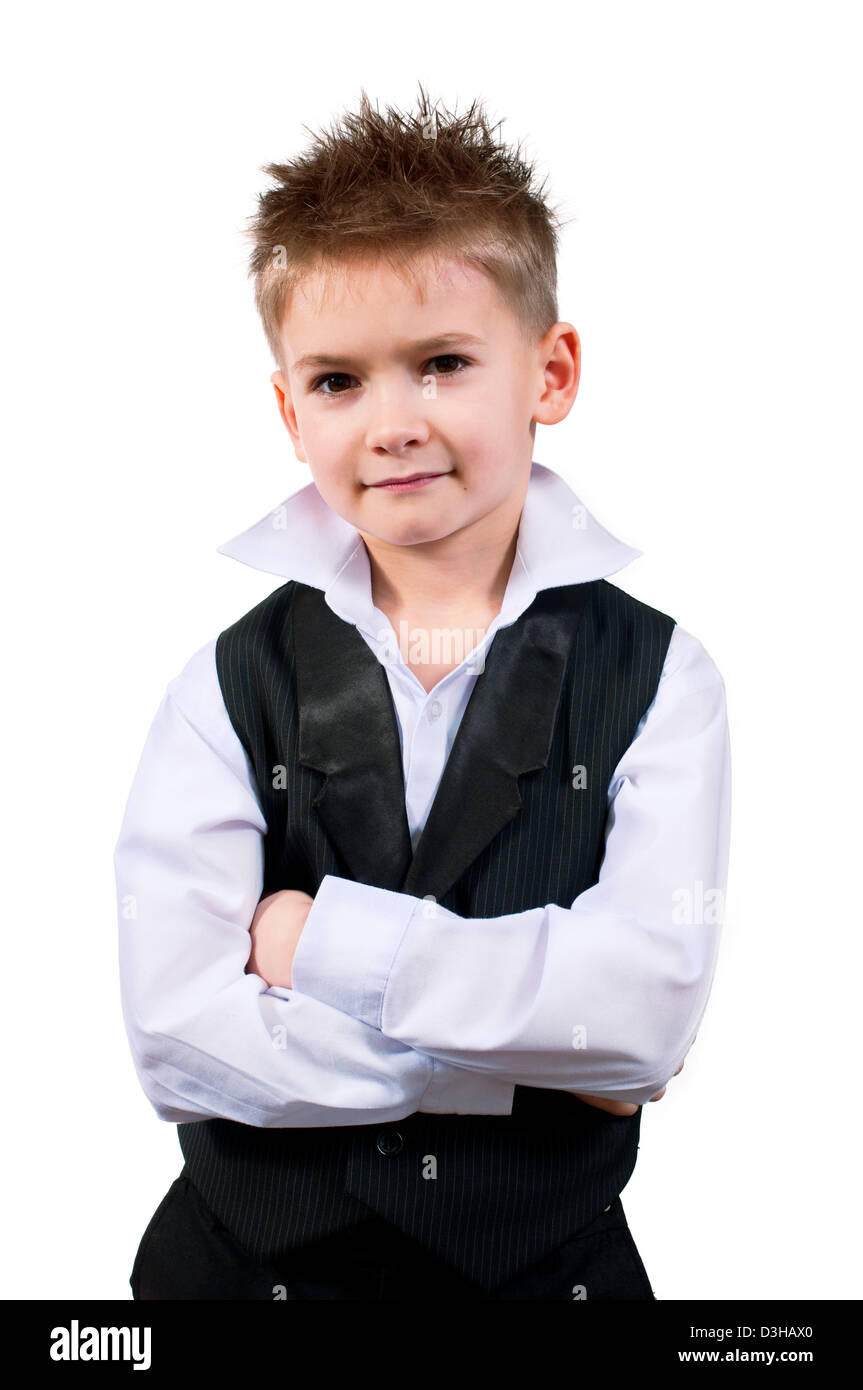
(348, 731)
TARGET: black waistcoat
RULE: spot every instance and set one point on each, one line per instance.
(564, 686)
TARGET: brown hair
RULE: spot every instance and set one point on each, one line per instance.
(393, 187)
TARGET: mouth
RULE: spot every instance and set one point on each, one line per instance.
(408, 484)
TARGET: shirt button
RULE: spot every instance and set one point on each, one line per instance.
(434, 710)
(389, 1141)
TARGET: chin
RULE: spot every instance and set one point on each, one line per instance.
(418, 534)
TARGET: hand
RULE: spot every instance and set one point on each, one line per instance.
(614, 1107)
(619, 1107)
(660, 1094)
(275, 931)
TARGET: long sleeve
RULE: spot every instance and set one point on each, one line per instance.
(206, 1038)
(603, 997)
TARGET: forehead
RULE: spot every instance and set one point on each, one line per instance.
(362, 292)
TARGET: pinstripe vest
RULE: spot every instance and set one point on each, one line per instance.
(563, 686)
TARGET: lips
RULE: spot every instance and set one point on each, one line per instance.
(410, 478)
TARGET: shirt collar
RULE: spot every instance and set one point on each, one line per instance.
(559, 542)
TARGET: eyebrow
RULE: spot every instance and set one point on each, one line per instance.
(441, 340)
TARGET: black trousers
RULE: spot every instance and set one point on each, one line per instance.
(186, 1253)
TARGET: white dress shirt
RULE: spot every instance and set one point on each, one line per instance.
(398, 1004)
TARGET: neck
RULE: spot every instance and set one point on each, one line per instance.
(465, 571)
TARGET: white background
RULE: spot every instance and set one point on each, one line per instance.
(709, 156)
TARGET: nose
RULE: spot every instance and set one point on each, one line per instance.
(393, 440)
(396, 422)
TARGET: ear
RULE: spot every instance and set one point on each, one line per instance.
(288, 414)
(560, 362)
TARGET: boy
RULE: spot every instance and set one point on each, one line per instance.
(413, 925)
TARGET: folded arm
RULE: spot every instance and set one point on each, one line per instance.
(207, 1038)
(602, 997)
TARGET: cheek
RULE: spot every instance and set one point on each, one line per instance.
(332, 485)
(485, 421)
(325, 447)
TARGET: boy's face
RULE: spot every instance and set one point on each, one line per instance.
(434, 379)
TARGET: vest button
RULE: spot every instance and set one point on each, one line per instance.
(389, 1141)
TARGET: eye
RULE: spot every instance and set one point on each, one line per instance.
(318, 385)
(332, 376)
(451, 357)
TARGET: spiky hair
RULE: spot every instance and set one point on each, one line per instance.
(398, 186)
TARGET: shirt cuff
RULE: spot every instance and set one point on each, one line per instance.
(348, 944)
